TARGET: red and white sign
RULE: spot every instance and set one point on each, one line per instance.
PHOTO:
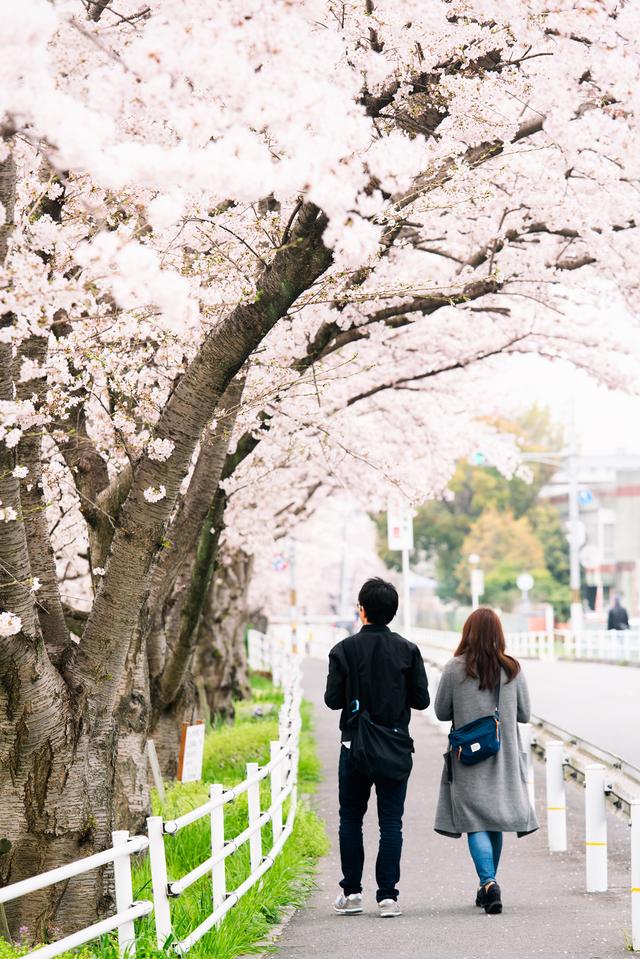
(399, 525)
(191, 752)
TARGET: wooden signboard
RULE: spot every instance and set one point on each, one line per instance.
(191, 752)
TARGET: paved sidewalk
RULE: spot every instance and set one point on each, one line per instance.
(547, 913)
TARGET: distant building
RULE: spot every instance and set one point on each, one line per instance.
(610, 511)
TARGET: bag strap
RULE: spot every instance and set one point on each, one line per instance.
(497, 695)
(353, 685)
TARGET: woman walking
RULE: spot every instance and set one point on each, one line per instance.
(487, 798)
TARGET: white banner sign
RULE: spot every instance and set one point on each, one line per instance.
(399, 525)
(191, 752)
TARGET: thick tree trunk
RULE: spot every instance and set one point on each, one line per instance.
(47, 817)
(157, 651)
(221, 661)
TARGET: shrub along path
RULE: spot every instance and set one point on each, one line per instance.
(547, 913)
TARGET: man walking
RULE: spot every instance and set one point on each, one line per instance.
(618, 616)
(375, 677)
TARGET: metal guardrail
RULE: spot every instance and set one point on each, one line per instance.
(282, 772)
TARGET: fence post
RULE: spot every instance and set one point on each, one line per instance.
(253, 802)
(276, 660)
(527, 741)
(158, 861)
(124, 894)
(635, 874)
(218, 870)
(276, 789)
(551, 645)
(556, 804)
(595, 817)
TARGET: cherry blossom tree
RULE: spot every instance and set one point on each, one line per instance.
(253, 254)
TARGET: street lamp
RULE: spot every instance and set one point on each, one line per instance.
(477, 580)
(524, 583)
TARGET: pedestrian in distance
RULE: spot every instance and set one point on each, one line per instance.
(483, 790)
(376, 678)
(618, 616)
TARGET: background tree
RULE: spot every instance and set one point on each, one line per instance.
(507, 547)
(478, 499)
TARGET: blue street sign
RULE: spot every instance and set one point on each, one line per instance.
(585, 497)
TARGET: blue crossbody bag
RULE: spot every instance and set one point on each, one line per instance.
(478, 740)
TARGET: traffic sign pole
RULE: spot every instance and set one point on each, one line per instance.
(400, 537)
(406, 593)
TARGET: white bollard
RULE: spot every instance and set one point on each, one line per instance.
(218, 870)
(635, 875)
(526, 733)
(158, 861)
(595, 817)
(253, 802)
(124, 895)
(556, 803)
(276, 789)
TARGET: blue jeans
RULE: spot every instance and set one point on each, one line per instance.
(354, 790)
(485, 849)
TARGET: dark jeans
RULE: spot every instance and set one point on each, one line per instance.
(354, 791)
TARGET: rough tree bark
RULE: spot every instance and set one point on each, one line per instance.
(158, 692)
(221, 660)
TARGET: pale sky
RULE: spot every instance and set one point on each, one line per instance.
(606, 421)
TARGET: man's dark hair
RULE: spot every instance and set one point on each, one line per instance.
(379, 601)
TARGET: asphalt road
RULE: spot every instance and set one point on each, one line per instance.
(595, 701)
(547, 913)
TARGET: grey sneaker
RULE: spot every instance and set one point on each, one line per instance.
(388, 908)
(348, 905)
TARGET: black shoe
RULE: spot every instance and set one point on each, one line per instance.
(489, 897)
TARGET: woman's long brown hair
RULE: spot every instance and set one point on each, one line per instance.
(483, 647)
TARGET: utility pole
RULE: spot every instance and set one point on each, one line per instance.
(574, 528)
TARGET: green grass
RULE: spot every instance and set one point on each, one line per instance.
(227, 750)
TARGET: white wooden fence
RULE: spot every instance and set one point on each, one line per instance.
(281, 771)
(126, 909)
(614, 646)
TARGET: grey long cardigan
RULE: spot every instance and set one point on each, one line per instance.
(491, 795)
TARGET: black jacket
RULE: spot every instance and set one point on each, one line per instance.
(618, 618)
(391, 678)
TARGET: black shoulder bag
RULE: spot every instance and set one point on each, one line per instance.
(381, 752)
